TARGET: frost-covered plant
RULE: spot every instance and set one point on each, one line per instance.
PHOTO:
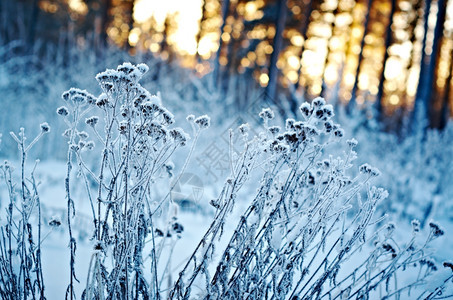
(297, 239)
(136, 142)
(21, 273)
(308, 232)
(417, 167)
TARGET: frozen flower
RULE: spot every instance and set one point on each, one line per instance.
(6, 165)
(168, 117)
(310, 130)
(45, 128)
(91, 99)
(142, 68)
(123, 127)
(107, 86)
(339, 132)
(352, 143)
(328, 126)
(430, 264)
(244, 129)
(74, 147)
(367, 169)
(266, 114)
(318, 102)
(65, 96)
(415, 225)
(104, 76)
(289, 125)
(83, 135)
(179, 136)
(178, 228)
(274, 129)
(89, 145)
(149, 108)
(291, 138)
(63, 111)
(281, 148)
(319, 113)
(67, 133)
(124, 110)
(388, 247)
(190, 118)
(328, 111)
(436, 229)
(375, 172)
(92, 121)
(203, 121)
(448, 264)
(305, 109)
(390, 229)
(126, 68)
(324, 113)
(102, 100)
(78, 98)
(55, 221)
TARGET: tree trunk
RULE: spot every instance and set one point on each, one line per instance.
(445, 110)
(282, 12)
(200, 30)
(32, 25)
(304, 31)
(388, 42)
(428, 63)
(129, 11)
(352, 102)
(225, 10)
(105, 21)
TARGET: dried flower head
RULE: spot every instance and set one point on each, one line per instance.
(63, 111)
(318, 102)
(352, 143)
(89, 145)
(244, 129)
(339, 132)
(266, 114)
(103, 100)
(436, 229)
(45, 128)
(305, 109)
(203, 121)
(83, 135)
(143, 68)
(123, 127)
(274, 130)
(92, 121)
(289, 124)
(179, 136)
(415, 225)
(55, 221)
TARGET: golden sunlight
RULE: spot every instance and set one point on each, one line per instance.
(187, 16)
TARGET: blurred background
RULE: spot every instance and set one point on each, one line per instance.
(388, 54)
